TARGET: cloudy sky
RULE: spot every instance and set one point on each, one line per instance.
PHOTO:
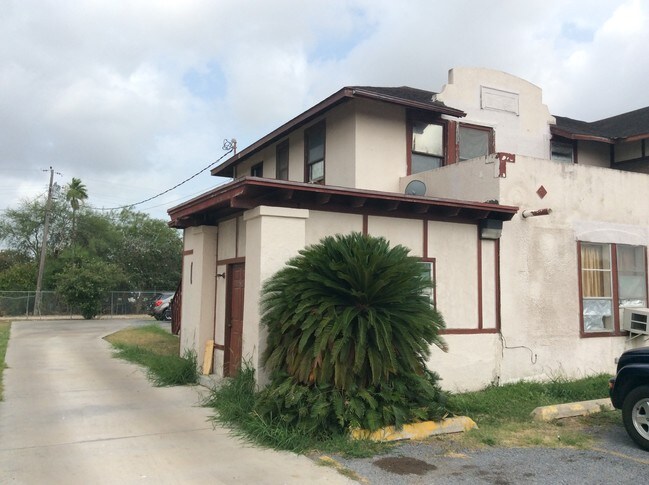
(135, 96)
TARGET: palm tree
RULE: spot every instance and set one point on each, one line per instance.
(350, 325)
(75, 194)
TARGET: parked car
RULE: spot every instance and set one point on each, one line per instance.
(161, 306)
(629, 391)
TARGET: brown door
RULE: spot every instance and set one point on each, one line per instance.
(234, 318)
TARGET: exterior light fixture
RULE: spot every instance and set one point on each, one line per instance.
(491, 229)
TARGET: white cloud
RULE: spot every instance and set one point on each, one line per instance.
(133, 97)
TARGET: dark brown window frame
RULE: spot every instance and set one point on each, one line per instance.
(320, 125)
(284, 145)
(488, 129)
(255, 168)
(414, 118)
(617, 330)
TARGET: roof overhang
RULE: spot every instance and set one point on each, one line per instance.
(579, 136)
(250, 192)
(226, 169)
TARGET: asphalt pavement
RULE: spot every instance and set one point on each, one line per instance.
(72, 414)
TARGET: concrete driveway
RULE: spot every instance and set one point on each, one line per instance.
(72, 414)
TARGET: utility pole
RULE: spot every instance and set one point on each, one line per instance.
(41, 266)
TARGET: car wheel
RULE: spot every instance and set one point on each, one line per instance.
(166, 315)
(635, 414)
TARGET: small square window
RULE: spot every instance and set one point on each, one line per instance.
(427, 146)
(257, 170)
(562, 152)
(474, 142)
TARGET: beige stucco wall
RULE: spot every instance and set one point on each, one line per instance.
(199, 275)
(340, 142)
(381, 147)
(455, 249)
(273, 236)
(365, 147)
(472, 180)
(321, 224)
(407, 232)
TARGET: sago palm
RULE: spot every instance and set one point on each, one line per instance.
(350, 316)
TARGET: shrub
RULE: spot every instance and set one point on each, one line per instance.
(349, 331)
(83, 285)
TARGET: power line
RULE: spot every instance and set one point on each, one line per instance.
(229, 145)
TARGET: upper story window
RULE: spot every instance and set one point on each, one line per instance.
(314, 153)
(281, 161)
(474, 142)
(562, 151)
(427, 148)
(257, 170)
(611, 276)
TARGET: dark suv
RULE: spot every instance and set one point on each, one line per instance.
(629, 391)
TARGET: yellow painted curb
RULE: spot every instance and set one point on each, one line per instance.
(417, 431)
(548, 413)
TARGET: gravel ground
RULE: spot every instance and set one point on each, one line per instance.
(615, 460)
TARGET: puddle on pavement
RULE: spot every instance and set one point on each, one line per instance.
(404, 465)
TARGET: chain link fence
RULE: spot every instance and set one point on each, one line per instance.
(21, 303)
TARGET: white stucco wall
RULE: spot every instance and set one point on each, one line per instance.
(509, 104)
(472, 362)
(539, 278)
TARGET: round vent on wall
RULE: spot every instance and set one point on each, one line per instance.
(416, 187)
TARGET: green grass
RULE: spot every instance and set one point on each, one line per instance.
(515, 402)
(5, 327)
(503, 412)
(234, 403)
(158, 351)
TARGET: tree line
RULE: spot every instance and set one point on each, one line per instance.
(120, 250)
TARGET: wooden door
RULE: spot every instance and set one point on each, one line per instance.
(236, 275)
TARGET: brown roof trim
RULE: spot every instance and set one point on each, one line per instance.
(447, 110)
(576, 136)
(611, 141)
(637, 137)
(250, 192)
(226, 169)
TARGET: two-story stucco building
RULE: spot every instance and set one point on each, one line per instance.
(534, 227)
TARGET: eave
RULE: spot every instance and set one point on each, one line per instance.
(580, 136)
(226, 169)
(250, 192)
